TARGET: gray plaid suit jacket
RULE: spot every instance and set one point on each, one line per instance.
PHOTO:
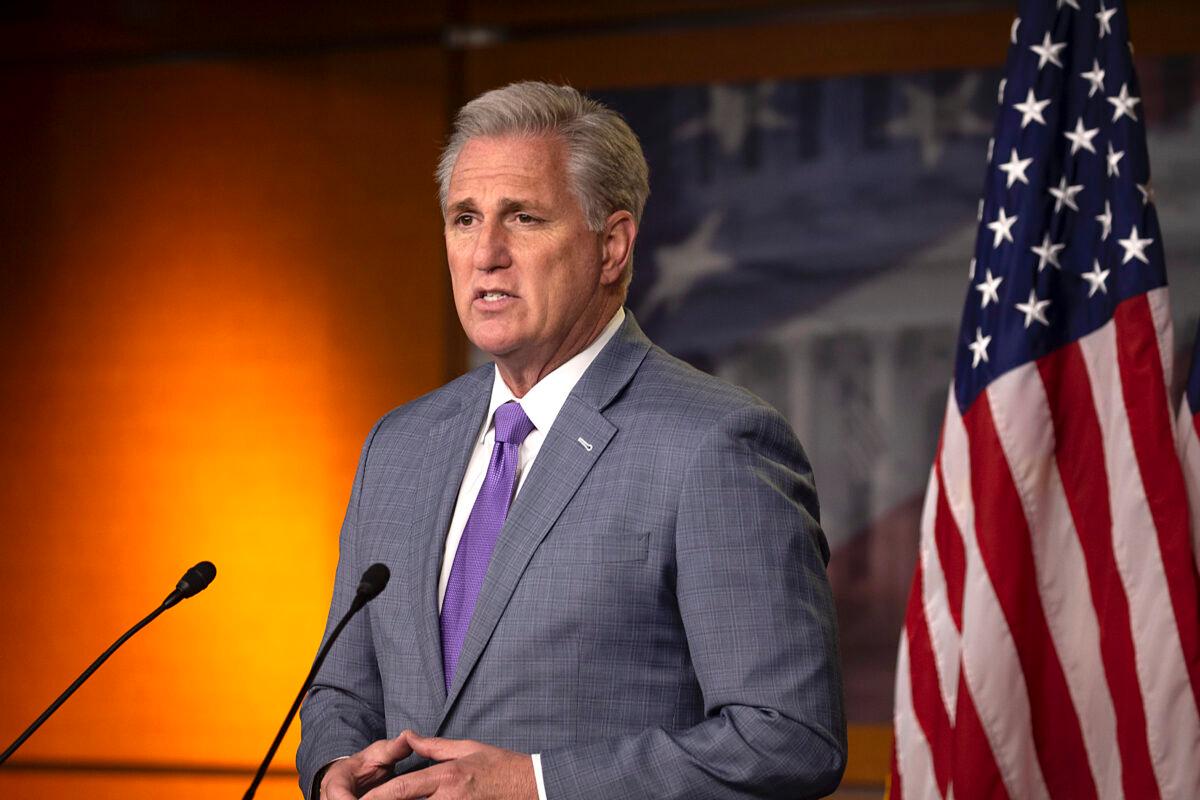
(655, 621)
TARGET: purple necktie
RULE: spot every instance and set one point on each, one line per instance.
(480, 535)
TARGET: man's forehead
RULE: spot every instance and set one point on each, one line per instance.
(489, 164)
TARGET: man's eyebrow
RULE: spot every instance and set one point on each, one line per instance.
(507, 205)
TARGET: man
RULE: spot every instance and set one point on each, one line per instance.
(648, 616)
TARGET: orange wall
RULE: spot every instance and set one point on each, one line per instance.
(215, 276)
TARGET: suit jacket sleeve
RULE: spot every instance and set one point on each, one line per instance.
(343, 711)
(758, 615)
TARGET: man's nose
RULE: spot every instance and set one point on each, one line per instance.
(492, 246)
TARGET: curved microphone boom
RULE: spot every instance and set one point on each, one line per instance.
(194, 581)
(373, 581)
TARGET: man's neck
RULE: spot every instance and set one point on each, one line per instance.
(520, 378)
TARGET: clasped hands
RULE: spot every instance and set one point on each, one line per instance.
(465, 770)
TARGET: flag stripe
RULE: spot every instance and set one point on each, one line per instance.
(949, 547)
(1079, 455)
(1189, 454)
(925, 695)
(1144, 387)
(975, 770)
(910, 749)
(995, 738)
(892, 788)
(1007, 554)
(942, 632)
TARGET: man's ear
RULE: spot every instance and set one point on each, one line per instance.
(616, 246)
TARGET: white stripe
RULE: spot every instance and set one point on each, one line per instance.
(991, 668)
(1160, 311)
(913, 760)
(1189, 456)
(1025, 426)
(1173, 726)
(943, 634)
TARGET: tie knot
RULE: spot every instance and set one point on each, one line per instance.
(512, 426)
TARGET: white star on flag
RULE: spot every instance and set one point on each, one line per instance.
(1002, 228)
(1113, 159)
(1034, 309)
(1095, 77)
(1134, 247)
(979, 348)
(1047, 252)
(1031, 109)
(1048, 51)
(1072, 3)
(971, 271)
(1000, 91)
(1096, 278)
(1012, 32)
(988, 290)
(1123, 104)
(1105, 221)
(1104, 15)
(1015, 169)
(1147, 192)
(1081, 138)
(1065, 195)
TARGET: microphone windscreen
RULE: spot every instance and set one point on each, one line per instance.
(374, 581)
(196, 579)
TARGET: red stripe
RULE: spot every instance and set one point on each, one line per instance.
(1079, 451)
(894, 789)
(951, 552)
(1007, 552)
(926, 694)
(1145, 393)
(975, 772)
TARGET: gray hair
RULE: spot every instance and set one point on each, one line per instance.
(605, 164)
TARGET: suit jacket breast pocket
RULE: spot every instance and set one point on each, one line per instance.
(596, 543)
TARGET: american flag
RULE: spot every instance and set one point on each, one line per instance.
(1051, 646)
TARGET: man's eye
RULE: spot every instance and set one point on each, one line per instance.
(464, 220)
(526, 219)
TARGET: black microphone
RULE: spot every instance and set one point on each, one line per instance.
(194, 581)
(373, 581)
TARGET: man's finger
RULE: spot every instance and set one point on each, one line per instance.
(388, 751)
(336, 791)
(411, 786)
(441, 749)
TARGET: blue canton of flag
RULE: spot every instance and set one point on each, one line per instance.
(1068, 228)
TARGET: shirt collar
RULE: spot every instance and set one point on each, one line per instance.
(543, 402)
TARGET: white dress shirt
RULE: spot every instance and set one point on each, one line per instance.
(541, 404)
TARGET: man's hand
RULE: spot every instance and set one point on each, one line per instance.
(351, 777)
(467, 771)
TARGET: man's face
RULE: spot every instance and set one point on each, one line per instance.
(526, 271)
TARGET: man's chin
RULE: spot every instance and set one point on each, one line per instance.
(495, 346)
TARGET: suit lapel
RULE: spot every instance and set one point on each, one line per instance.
(444, 462)
(573, 446)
